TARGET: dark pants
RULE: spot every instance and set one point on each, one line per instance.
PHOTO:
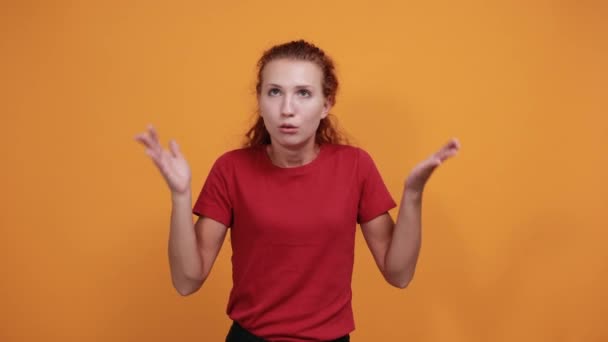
(238, 334)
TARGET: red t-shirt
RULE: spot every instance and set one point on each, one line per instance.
(293, 237)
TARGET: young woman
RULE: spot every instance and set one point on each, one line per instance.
(292, 197)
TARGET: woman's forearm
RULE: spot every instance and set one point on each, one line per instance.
(402, 254)
(184, 257)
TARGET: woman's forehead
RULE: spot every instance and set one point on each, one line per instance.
(289, 72)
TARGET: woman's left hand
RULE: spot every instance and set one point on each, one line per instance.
(422, 172)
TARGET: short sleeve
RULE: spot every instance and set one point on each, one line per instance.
(375, 199)
(214, 198)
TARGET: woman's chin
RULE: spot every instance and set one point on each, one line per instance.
(292, 142)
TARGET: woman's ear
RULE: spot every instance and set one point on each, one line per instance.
(326, 108)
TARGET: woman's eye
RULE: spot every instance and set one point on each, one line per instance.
(274, 92)
(304, 92)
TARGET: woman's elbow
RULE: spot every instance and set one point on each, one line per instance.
(403, 284)
(187, 287)
(400, 282)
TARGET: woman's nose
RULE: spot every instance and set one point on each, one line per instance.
(287, 106)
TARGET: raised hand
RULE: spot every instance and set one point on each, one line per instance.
(423, 171)
(171, 163)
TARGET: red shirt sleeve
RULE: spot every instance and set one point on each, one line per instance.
(214, 199)
(375, 199)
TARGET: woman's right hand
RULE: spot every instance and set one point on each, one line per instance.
(171, 163)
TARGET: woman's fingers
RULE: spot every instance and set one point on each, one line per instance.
(154, 139)
(153, 133)
(453, 144)
(151, 153)
(448, 150)
(150, 140)
(143, 139)
(152, 149)
(174, 148)
(147, 141)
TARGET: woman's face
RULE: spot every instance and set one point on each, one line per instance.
(291, 102)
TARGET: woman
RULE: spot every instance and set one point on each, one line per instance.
(292, 197)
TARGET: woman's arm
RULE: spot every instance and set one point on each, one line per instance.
(193, 248)
(396, 246)
(184, 260)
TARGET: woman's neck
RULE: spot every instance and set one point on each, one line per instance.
(286, 157)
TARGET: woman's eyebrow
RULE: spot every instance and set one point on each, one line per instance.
(299, 86)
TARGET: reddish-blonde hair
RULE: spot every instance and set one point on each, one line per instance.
(327, 131)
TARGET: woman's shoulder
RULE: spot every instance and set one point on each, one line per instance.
(346, 151)
(350, 157)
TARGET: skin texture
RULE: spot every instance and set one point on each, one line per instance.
(292, 94)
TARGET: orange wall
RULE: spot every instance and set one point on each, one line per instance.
(514, 227)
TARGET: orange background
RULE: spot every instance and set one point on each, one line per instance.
(514, 227)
